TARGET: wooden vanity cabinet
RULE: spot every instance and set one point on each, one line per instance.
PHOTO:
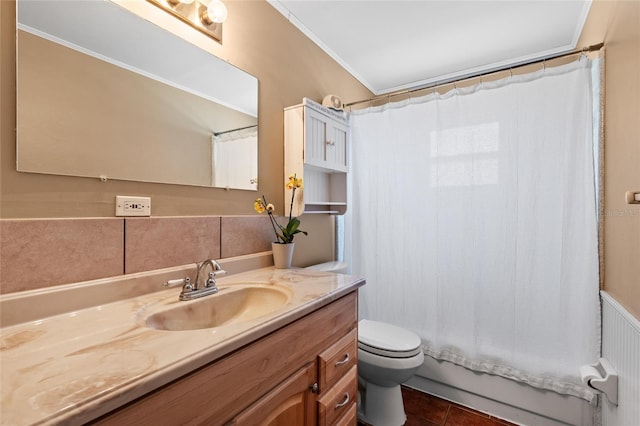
(302, 374)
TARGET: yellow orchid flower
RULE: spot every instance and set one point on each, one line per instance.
(258, 206)
(293, 182)
(284, 234)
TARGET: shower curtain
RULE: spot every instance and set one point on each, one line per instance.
(473, 219)
(235, 159)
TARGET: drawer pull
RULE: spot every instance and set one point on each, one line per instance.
(344, 361)
(343, 403)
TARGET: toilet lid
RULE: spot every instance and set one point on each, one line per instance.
(387, 340)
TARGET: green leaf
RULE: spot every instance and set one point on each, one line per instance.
(292, 226)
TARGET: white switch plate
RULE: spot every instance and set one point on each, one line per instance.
(133, 206)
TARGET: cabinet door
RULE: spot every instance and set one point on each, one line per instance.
(325, 141)
(290, 403)
(336, 147)
(316, 126)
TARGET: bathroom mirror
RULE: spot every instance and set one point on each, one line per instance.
(103, 93)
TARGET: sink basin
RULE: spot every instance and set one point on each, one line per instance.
(230, 305)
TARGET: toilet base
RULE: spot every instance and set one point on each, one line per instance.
(381, 406)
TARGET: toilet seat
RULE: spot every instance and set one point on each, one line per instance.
(387, 340)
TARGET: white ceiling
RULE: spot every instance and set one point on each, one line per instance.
(394, 45)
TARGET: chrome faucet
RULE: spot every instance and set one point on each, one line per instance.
(197, 289)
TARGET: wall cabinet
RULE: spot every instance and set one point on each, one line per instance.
(302, 374)
(325, 138)
(316, 145)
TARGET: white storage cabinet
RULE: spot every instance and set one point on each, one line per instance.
(316, 148)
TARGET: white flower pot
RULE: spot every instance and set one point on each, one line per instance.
(282, 255)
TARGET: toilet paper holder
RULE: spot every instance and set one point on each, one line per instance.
(601, 377)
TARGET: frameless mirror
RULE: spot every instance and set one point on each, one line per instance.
(103, 93)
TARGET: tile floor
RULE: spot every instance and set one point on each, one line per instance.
(426, 410)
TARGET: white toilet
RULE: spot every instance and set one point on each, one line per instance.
(387, 357)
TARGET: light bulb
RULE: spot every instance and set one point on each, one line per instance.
(217, 11)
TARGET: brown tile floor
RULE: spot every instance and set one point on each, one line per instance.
(426, 410)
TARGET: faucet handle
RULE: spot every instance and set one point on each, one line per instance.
(175, 283)
(184, 282)
(211, 281)
(218, 273)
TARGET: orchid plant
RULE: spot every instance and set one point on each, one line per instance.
(284, 234)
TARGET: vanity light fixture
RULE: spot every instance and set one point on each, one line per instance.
(206, 16)
(216, 12)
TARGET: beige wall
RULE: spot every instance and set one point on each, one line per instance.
(289, 66)
(257, 39)
(617, 23)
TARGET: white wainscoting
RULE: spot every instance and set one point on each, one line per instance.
(621, 347)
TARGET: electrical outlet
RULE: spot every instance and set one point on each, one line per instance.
(133, 206)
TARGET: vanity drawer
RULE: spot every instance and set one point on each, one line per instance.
(339, 400)
(338, 359)
(350, 418)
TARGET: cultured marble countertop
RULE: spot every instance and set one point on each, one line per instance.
(76, 366)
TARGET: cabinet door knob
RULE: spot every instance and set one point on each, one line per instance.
(344, 402)
(314, 388)
(344, 361)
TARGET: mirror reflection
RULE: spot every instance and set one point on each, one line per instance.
(104, 93)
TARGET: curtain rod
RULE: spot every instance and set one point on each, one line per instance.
(592, 48)
(234, 130)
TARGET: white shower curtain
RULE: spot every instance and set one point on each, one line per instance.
(235, 159)
(473, 220)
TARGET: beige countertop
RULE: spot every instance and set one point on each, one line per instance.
(76, 365)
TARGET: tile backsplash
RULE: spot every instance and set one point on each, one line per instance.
(154, 243)
(36, 253)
